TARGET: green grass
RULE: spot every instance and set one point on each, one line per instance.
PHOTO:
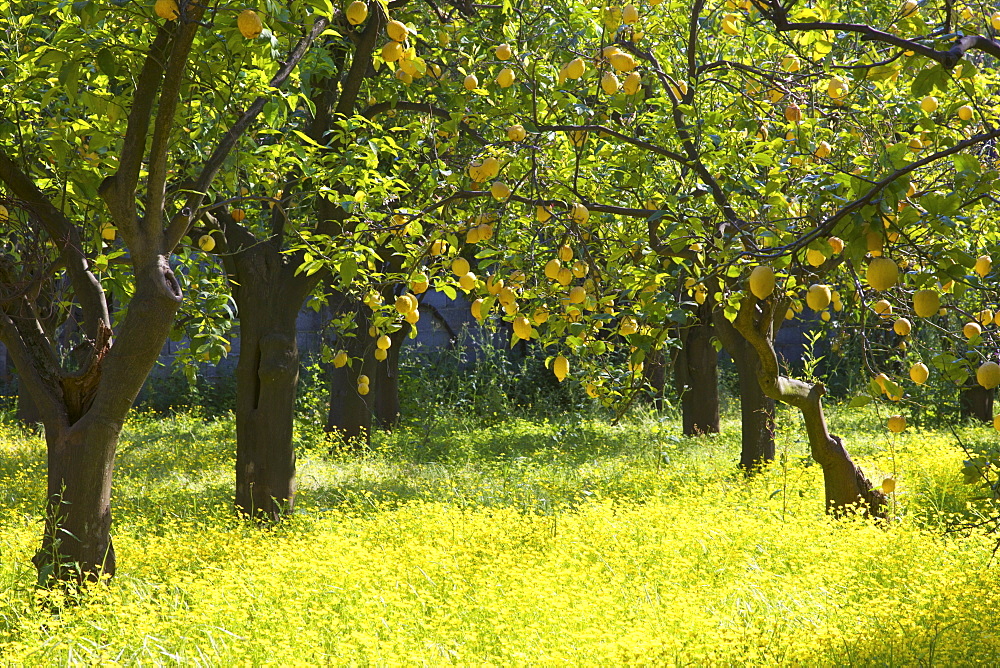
(525, 541)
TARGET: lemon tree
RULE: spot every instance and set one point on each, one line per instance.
(799, 138)
(97, 105)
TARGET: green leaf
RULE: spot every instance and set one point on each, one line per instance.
(51, 57)
(348, 270)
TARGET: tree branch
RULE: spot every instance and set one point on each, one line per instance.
(774, 12)
(87, 288)
(170, 91)
(361, 62)
(181, 222)
(876, 189)
(134, 145)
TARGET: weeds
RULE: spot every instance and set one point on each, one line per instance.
(530, 540)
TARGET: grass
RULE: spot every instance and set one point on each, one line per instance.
(560, 542)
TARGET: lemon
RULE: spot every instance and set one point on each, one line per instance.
(897, 423)
(560, 366)
(249, 24)
(397, 31)
(505, 79)
(818, 297)
(623, 62)
(167, 9)
(516, 133)
(988, 375)
(628, 326)
(357, 12)
(392, 51)
(552, 268)
(762, 281)
(882, 273)
(791, 63)
(610, 83)
(500, 190)
(837, 89)
(926, 303)
(522, 328)
(632, 83)
(919, 373)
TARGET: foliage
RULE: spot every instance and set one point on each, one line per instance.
(572, 541)
(480, 377)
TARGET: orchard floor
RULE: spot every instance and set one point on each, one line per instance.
(569, 542)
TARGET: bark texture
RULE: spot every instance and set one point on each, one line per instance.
(268, 297)
(697, 376)
(846, 486)
(756, 408)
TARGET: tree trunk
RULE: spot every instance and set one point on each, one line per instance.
(654, 371)
(27, 412)
(846, 486)
(698, 377)
(83, 417)
(385, 383)
(77, 542)
(977, 402)
(756, 408)
(267, 377)
(350, 415)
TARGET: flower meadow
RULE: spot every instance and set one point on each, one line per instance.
(540, 542)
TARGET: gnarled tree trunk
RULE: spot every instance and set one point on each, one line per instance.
(756, 408)
(83, 416)
(697, 375)
(845, 484)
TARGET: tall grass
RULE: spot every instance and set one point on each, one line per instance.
(526, 541)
